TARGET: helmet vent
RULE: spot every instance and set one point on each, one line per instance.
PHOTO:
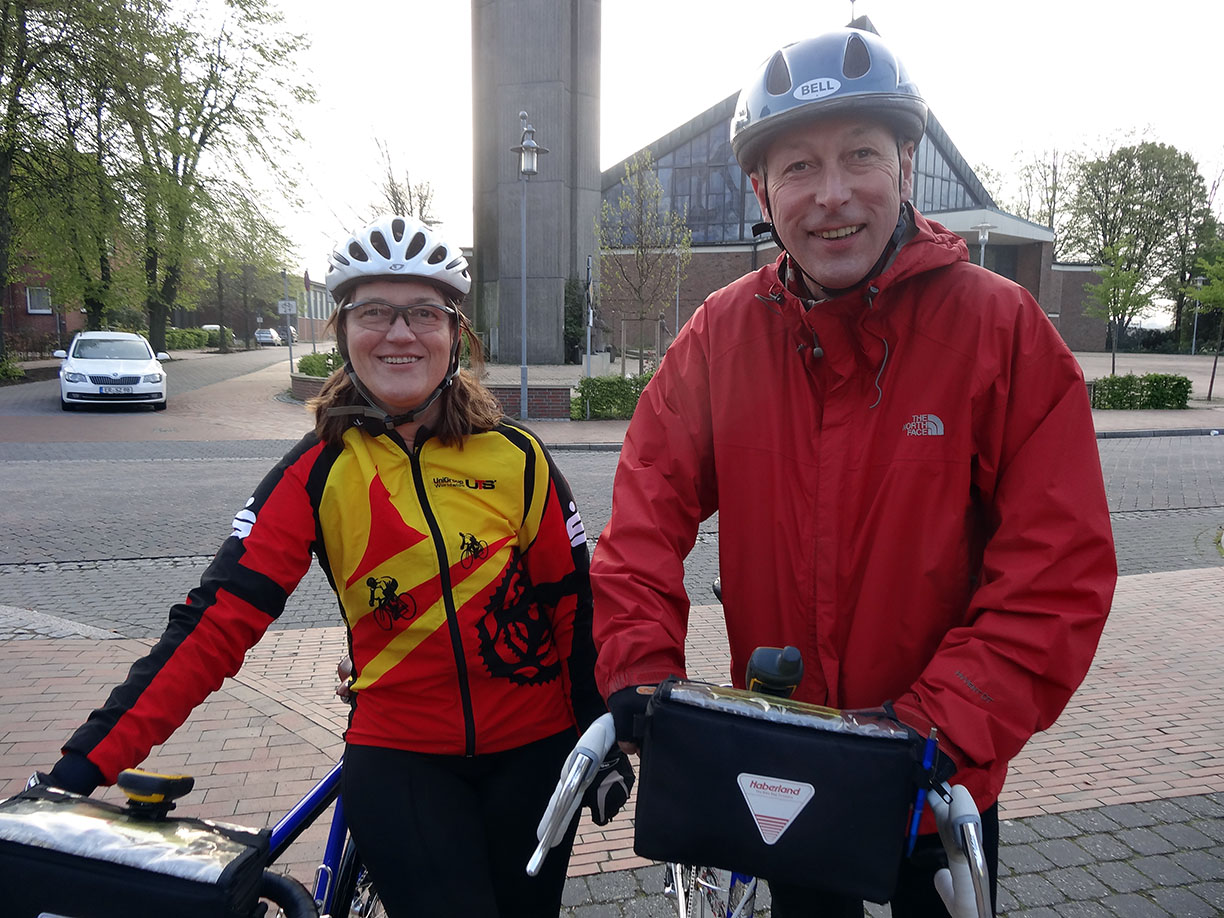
(454, 264)
(340, 258)
(380, 244)
(438, 255)
(358, 252)
(397, 229)
(415, 246)
(778, 77)
(857, 60)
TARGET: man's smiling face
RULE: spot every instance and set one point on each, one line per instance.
(835, 188)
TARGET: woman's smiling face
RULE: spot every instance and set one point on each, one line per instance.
(400, 363)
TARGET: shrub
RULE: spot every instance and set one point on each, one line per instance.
(10, 369)
(1164, 390)
(186, 339)
(319, 363)
(214, 337)
(608, 396)
(1154, 390)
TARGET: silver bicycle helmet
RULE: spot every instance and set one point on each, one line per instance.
(847, 71)
(394, 246)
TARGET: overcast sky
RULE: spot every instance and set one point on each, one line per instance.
(1001, 77)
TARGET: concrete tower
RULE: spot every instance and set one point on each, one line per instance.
(541, 57)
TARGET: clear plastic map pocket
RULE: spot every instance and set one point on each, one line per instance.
(63, 854)
(774, 788)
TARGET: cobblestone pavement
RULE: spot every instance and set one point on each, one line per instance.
(1117, 810)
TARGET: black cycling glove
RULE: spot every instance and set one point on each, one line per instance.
(73, 772)
(610, 789)
(628, 707)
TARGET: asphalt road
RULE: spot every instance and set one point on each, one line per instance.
(110, 534)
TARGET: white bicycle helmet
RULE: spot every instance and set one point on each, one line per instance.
(394, 246)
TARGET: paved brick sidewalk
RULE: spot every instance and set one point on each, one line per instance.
(1118, 809)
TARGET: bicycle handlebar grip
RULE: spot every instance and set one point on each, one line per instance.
(964, 884)
(774, 671)
(577, 773)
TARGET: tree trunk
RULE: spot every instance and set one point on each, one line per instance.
(1216, 359)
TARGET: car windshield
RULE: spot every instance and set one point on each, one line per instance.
(110, 349)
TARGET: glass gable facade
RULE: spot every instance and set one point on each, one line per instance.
(701, 179)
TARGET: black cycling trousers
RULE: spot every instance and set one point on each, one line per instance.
(915, 896)
(449, 835)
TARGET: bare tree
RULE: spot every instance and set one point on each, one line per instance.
(407, 198)
(644, 249)
(1043, 192)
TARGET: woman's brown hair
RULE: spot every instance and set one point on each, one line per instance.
(467, 406)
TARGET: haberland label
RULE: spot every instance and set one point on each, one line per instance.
(774, 802)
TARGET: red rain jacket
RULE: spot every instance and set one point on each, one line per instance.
(920, 509)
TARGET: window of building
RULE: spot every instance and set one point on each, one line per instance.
(38, 300)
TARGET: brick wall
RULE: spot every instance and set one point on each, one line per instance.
(1081, 332)
(543, 402)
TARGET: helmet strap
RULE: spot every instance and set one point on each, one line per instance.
(374, 417)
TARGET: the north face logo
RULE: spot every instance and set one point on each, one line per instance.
(925, 425)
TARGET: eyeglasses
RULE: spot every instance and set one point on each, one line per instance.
(376, 315)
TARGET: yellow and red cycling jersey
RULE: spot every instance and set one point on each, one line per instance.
(461, 573)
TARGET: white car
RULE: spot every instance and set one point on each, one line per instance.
(268, 336)
(110, 367)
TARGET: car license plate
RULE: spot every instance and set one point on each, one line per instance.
(116, 390)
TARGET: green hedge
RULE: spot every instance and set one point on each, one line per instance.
(319, 364)
(186, 339)
(214, 337)
(1153, 390)
(608, 396)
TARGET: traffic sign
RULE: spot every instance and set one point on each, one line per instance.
(286, 307)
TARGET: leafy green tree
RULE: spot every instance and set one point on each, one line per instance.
(1134, 211)
(70, 202)
(644, 247)
(208, 102)
(1119, 297)
(1211, 301)
(31, 32)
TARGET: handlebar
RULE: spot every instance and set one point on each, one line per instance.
(576, 776)
(964, 885)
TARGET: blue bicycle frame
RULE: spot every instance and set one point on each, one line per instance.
(303, 814)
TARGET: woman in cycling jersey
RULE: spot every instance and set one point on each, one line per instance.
(472, 670)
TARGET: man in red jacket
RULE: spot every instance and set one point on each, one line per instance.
(897, 442)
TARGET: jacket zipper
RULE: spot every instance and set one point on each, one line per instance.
(452, 615)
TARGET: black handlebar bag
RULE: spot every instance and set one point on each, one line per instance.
(774, 788)
(66, 855)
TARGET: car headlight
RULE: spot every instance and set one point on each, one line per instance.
(70, 376)
(152, 377)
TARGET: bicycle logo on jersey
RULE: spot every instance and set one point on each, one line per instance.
(515, 637)
(388, 605)
(472, 549)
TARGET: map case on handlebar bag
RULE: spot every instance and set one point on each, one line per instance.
(66, 855)
(774, 788)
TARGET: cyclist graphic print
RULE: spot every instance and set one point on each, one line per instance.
(388, 605)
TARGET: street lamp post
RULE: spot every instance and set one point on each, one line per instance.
(528, 151)
(983, 231)
(1198, 285)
